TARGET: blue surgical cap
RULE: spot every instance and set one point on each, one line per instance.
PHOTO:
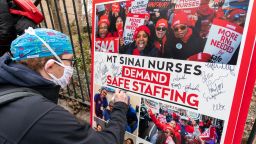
(29, 46)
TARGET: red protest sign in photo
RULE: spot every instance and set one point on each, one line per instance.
(223, 40)
(132, 22)
(110, 44)
(188, 6)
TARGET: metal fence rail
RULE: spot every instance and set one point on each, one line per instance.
(67, 16)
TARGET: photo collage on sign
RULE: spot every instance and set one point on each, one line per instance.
(176, 60)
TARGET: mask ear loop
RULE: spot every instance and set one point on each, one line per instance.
(55, 62)
(51, 75)
(31, 31)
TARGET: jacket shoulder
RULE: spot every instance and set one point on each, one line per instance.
(19, 116)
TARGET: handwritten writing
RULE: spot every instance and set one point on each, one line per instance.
(206, 76)
(230, 68)
(218, 107)
(209, 97)
(176, 85)
(178, 78)
(191, 87)
(215, 86)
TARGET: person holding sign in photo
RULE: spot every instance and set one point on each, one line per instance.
(142, 46)
(119, 29)
(205, 18)
(185, 41)
(236, 16)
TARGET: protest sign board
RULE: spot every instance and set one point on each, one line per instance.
(189, 6)
(132, 22)
(223, 40)
(198, 79)
(109, 44)
(139, 6)
(156, 4)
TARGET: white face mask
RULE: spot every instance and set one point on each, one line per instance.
(64, 80)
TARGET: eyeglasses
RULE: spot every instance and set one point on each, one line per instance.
(181, 28)
(73, 61)
(161, 28)
(104, 27)
(168, 132)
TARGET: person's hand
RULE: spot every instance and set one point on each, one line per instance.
(219, 3)
(115, 14)
(195, 17)
(121, 41)
(157, 14)
(120, 96)
(150, 111)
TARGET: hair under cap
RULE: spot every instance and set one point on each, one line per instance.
(29, 46)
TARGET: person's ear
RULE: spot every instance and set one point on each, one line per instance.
(48, 65)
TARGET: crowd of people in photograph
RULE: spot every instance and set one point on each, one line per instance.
(168, 32)
(176, 127)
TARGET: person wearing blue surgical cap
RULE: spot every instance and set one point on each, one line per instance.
(30, 80)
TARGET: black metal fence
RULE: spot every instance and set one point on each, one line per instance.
(71, 18)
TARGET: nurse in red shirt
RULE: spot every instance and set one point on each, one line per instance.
(103, 27)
